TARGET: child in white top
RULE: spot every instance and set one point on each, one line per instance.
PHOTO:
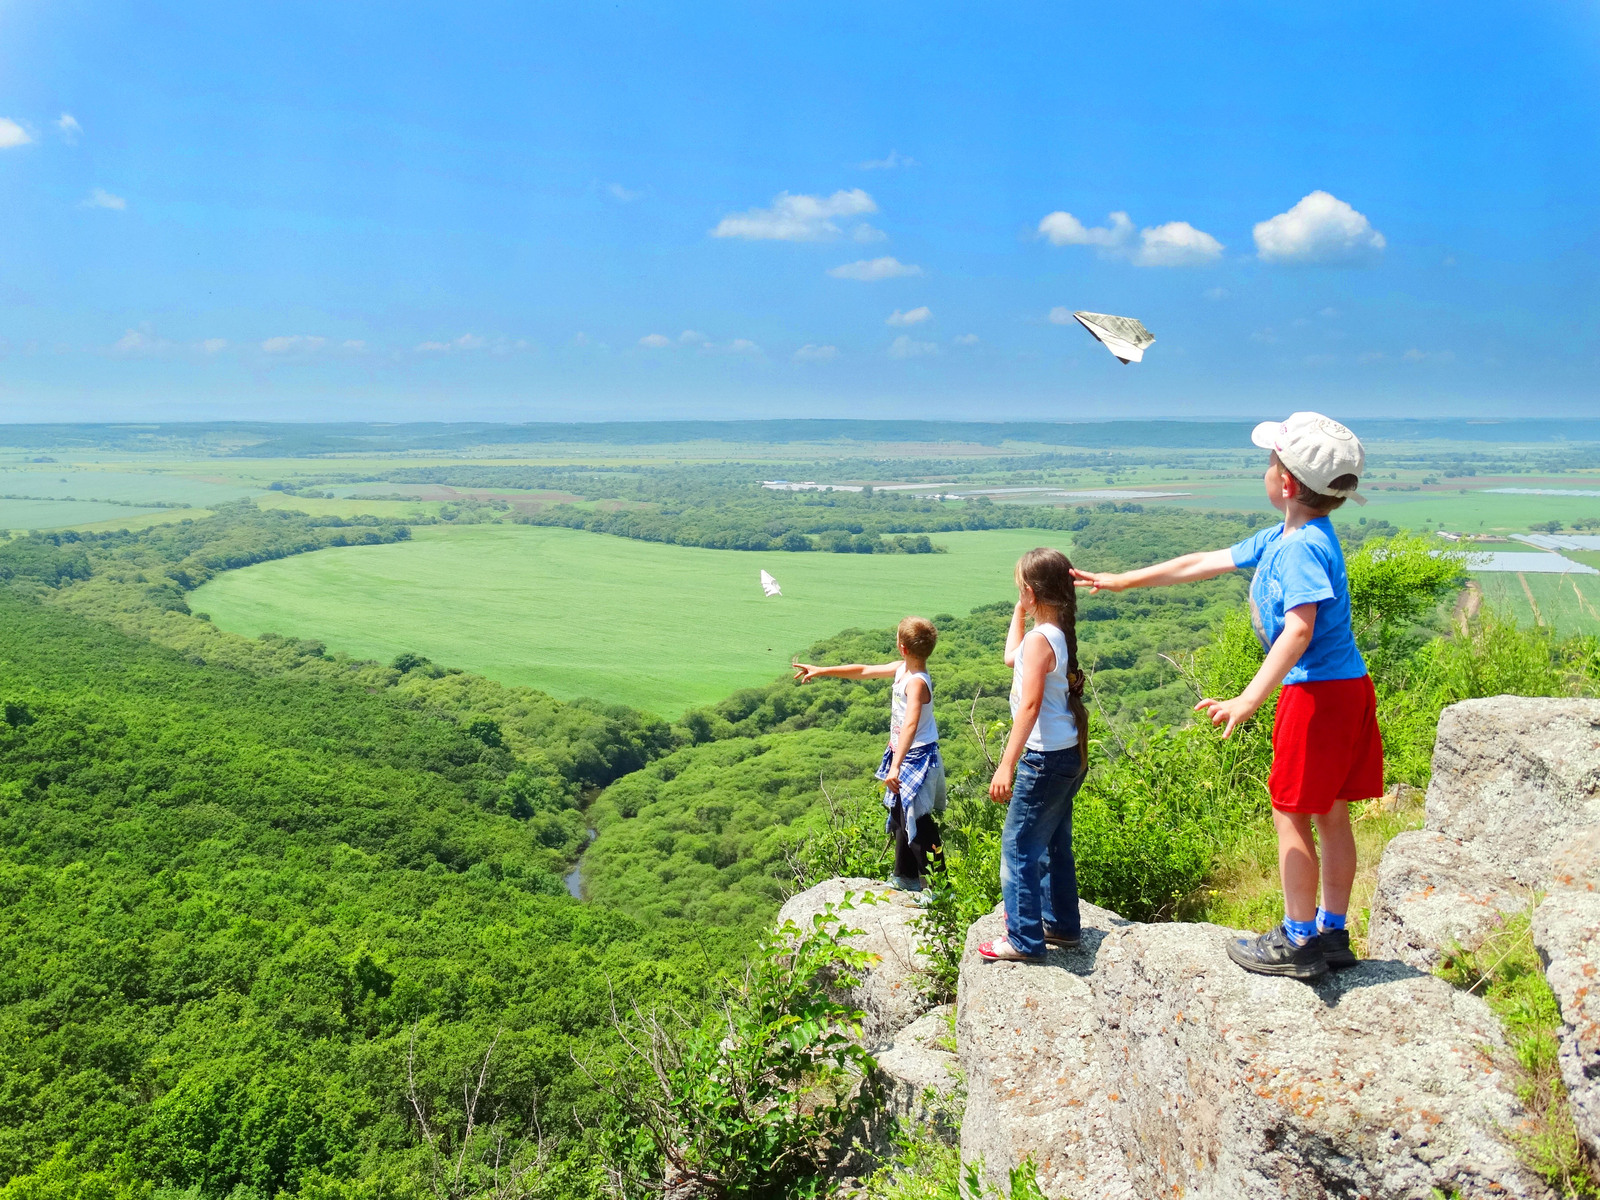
(912, 770)
(1046, 755)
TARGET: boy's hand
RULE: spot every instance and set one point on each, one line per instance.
(1000, 785)
(804, 672)
(893, 784)
(1099, 581)
(1234, 711)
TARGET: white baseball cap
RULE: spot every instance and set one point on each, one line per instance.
(1316, 450)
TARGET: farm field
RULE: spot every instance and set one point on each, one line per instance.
(1570, 604)
(660, 627)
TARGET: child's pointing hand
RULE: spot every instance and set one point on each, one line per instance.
(1240, 708)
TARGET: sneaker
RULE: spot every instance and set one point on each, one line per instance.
(1336, 950)
(1001, 950)
(901, 884)
(1272, 954)
(1060, 941)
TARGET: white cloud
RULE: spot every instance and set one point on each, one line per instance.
(869, 270)
(1266, 337)
(354, 345)
(655, 341)
(742, 346)
(584, 342)
(100, 198)
(814, 353)
(467, 341)
(1064, 229)
(1414, 355)
(894, 159)
(134, 342)
(1330, 313)
(915, 317)
(294, 342)
(796, 218)
(867, 233)
(1061, 315)
(905, 347)
(1176, 244)
(618, 192)
(69, 127)
(1216, 293)
(1320, 229)
(692, 337)
(12, 134)
(965, 339)
(214, 345)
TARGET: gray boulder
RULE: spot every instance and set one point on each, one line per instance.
(920, 1073)
(1378, 1081)
(1434, 893)
(1566, 930)
(1514, 776)
(1575, 863)
(1029, 1043)
(892, 991)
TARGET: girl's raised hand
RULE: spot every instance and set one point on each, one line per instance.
(804, 672)
(1098, 581)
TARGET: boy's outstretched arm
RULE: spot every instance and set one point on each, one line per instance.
(1299, 624)
(1186, 568)
(805, 672)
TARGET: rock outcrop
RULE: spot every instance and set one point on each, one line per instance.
(1029, 1040)
(1513, 779)
(1513, 813)
(1145, 1064)
(920, 1072)
(892, 993)
(1377, 1081)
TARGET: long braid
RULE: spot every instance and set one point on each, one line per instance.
(1075, 676)
(1049, 573)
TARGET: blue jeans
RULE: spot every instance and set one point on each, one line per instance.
(1038, 875)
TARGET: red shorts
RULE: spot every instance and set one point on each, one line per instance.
(1325, 745)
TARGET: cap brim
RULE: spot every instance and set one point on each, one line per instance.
(1266, 434)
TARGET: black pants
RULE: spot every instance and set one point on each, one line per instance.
(912, 856)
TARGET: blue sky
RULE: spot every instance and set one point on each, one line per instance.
(530, 212)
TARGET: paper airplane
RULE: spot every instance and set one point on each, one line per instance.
(1123, 336)
(769, 585)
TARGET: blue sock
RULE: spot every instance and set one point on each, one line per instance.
(1328, 920)
(1300, 932)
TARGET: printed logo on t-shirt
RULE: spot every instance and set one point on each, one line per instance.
(1269, 599)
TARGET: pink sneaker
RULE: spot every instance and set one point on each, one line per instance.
(1001, 950)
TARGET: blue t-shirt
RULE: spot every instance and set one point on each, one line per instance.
(1304, 567)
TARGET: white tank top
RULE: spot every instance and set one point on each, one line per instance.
(1056, 728)
(927, 731)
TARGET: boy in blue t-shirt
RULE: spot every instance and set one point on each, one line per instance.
(1326, 749)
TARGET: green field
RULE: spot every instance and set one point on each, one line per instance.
(660, 627)
(1569, 604)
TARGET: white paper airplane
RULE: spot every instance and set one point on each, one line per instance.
(769, 585)
(1123, 336)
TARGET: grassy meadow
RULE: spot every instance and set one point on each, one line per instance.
(659, 627)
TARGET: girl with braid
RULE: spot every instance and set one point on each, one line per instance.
(1047, 756)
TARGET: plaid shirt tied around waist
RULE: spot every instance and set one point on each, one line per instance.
(916, 801)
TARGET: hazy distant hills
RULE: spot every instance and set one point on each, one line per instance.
(265, 439)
